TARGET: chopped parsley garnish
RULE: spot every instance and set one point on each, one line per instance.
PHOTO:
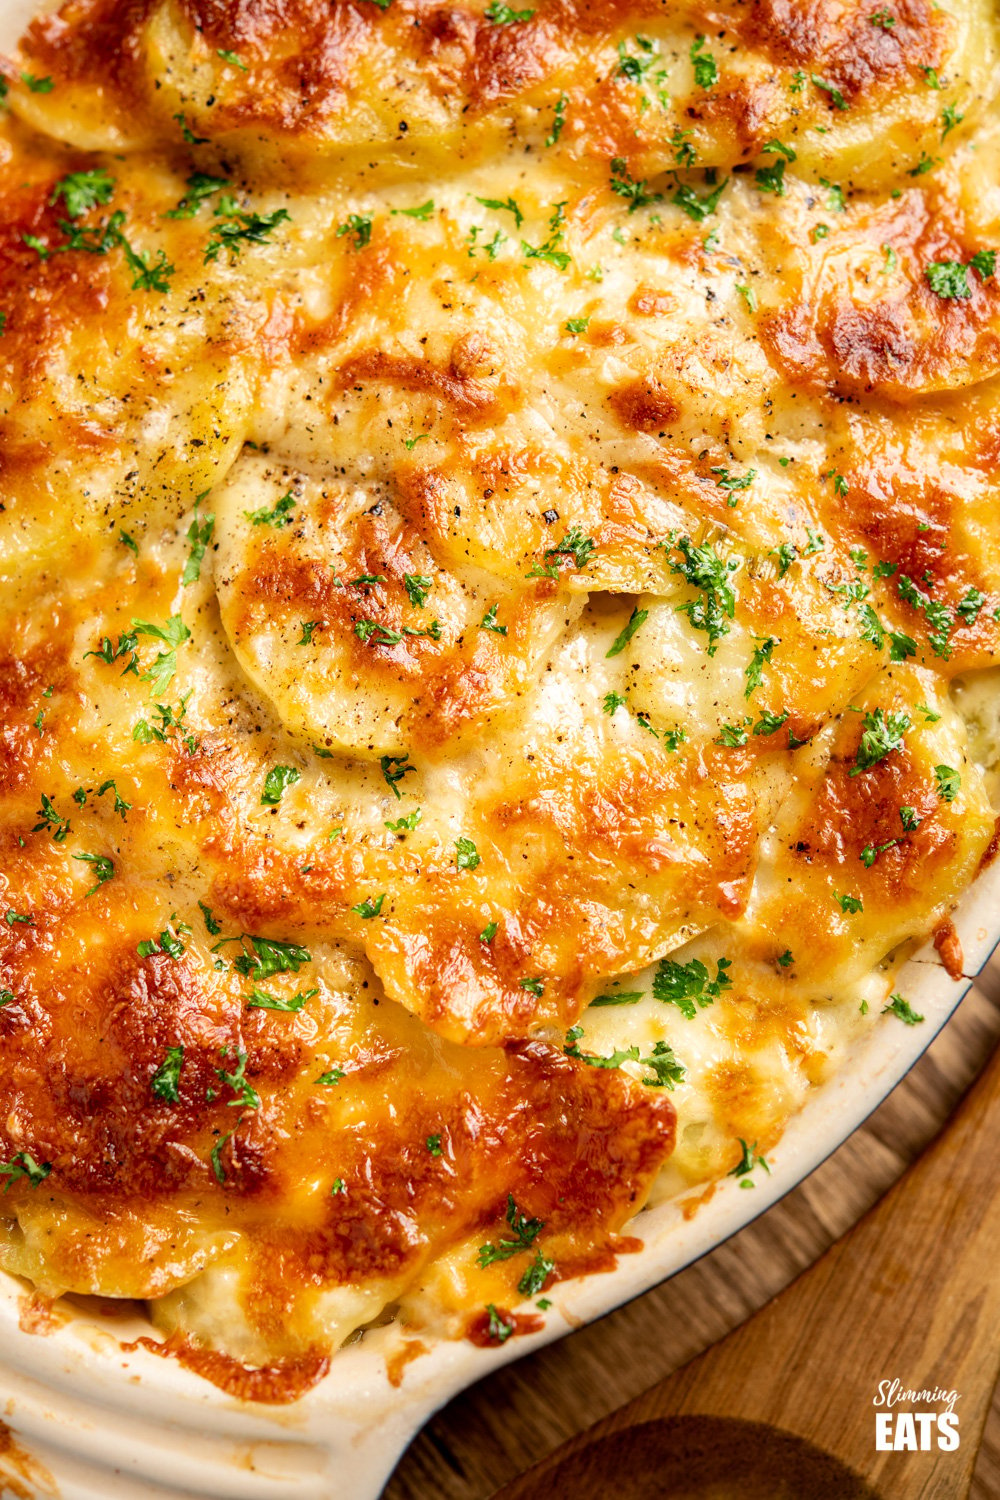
(37, 85)
(688, 986)
(188, 133)
(903, 1009)
(200, 187)
(593, 1059)
(150, 276)
(504, 205)
(232, 59)
(165, 1082)
(467, 857)
(307, 626)
(489, 621)
(489, 932)
(236, 1080)
(549, 252)
(57, 825)
(950, 278)
(872, 629)
(558, 120)
(82, 191)
(925, 164)
(937, 615)
(948, 781)
(215, 1155)
(370, 907)
(755, 671)
(706, 73)
(264, 1000)
(422, 211)
(503, 15)
(635, 65)
(749, 1159)
(168, 942)
(103, 869)
(359, 228)
(237, 229)
(769, 723)
(786, 555)
(626, 186)
(573, 545)
(12, 917)
(433, 1144)
(525, 1232)
(882, 18)
(537, 1274)
(848, 903)
(165, 717)
(667, 1072)
(199, 534)
(394, 768)
(969, 607)
(835, 96)
(577, 325)
(267, 956)
(834, 196)
(771, 179)
(276, 783)
(950, 117)
(881, 734)
(706, 571)
(121, 806)
(279, 515)
(731, 482)
(635, 620)
(173, 634)
(331, 1076)
(620, 997)
(501, 1324)
(871, 852)
(535, 986)
(406, 824)
(211, 925)
(695, 207)
(23, 1165)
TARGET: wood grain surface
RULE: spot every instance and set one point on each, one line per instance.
(496, 1430)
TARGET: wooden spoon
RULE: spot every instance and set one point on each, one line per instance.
(782, 1409)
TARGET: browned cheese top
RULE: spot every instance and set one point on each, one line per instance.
(498, 627)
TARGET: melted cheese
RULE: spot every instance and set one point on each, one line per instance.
(505, 511)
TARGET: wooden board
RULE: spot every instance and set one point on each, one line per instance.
(487, 1435)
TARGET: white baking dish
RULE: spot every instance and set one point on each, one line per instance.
(96, 1423)
(106, 1424)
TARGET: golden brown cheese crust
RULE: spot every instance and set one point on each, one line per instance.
(513, 562)
(90, 1025)
(420, 77)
